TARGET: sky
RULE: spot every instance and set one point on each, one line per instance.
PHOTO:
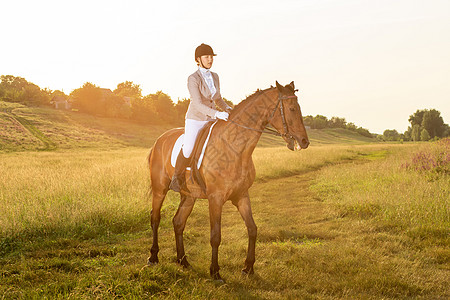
(373, 63)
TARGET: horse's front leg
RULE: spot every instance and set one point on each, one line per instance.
(179, 223)
(243, 205)
(215, 215)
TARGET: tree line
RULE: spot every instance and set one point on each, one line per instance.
(321, 122)
(426, 124)
(127, 102)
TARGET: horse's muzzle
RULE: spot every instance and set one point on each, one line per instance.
(296, 143)
(304, 143)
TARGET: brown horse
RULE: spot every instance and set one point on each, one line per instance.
(227, 168)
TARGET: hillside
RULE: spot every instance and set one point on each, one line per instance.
(40, 128)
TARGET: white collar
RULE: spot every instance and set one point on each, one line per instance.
(204, 71)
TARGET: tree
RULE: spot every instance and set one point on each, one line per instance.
(58, 93)
(391, 135)
(407, 134)
(415, 133)
(142, 110)
(308, 120)
(181, 108)
(17, 89)
(319, 122)
(128, 89)
(115, 107)
(424, 135)
(430, 120)
(13, 82)
(163, 106)
(88, 99)
(364, 132)
(351, 126)
(33, 94)
(336, 122)
(416, 118)
(433, 123)
(446, 131)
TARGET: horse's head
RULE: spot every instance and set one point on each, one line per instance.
(287, 118)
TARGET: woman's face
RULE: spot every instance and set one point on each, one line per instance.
(206, 61)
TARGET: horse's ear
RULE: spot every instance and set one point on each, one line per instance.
(279, 86)
(292, 85)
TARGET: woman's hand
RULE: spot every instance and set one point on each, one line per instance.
(221, 115)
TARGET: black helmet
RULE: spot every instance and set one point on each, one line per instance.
(203, 49)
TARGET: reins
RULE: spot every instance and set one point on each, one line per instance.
(283, 119)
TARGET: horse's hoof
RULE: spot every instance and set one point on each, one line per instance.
(152, 261)
(246, 272)
(184, 263)
(217, 278)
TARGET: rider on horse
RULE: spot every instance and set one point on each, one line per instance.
(204, 90)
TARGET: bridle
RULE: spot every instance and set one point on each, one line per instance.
(283, 118)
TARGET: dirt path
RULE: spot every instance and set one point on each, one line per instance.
(48, 144)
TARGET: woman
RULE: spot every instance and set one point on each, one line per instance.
(204, 90)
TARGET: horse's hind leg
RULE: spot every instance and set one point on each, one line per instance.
(243, 205)
(157, 200)
(179, 223)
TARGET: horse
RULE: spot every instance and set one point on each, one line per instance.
(227, 168)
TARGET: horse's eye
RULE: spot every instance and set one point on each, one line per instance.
(292, 108)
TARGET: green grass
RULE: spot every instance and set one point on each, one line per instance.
(337, 136)
(393, 196)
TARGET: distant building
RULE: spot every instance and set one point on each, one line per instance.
(61, 102)
(107, 92)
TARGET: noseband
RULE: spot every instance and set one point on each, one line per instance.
(283, 118)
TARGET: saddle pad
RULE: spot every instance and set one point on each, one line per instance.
(179, 143)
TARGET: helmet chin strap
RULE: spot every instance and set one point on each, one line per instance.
(201, 64)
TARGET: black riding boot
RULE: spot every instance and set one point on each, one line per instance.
(178, 182)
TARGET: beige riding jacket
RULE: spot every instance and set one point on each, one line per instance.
(202, 105)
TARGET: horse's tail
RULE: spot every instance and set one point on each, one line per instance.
(149, 159)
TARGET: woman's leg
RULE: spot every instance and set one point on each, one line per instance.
(191, 129)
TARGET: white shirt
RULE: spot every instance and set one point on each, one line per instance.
(206, 73)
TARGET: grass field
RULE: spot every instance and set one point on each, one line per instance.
(341, 222)
(341, 219)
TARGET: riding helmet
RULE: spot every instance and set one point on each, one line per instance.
(203, 49)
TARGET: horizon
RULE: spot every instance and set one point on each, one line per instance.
(358, 60)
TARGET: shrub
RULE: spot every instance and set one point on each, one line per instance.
(434, 160)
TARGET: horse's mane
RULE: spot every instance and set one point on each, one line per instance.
(241, 105)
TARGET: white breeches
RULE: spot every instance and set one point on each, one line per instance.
(191, 129)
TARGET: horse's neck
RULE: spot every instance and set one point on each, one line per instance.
(255, 114)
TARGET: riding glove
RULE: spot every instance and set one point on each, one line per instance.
(221, 115)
